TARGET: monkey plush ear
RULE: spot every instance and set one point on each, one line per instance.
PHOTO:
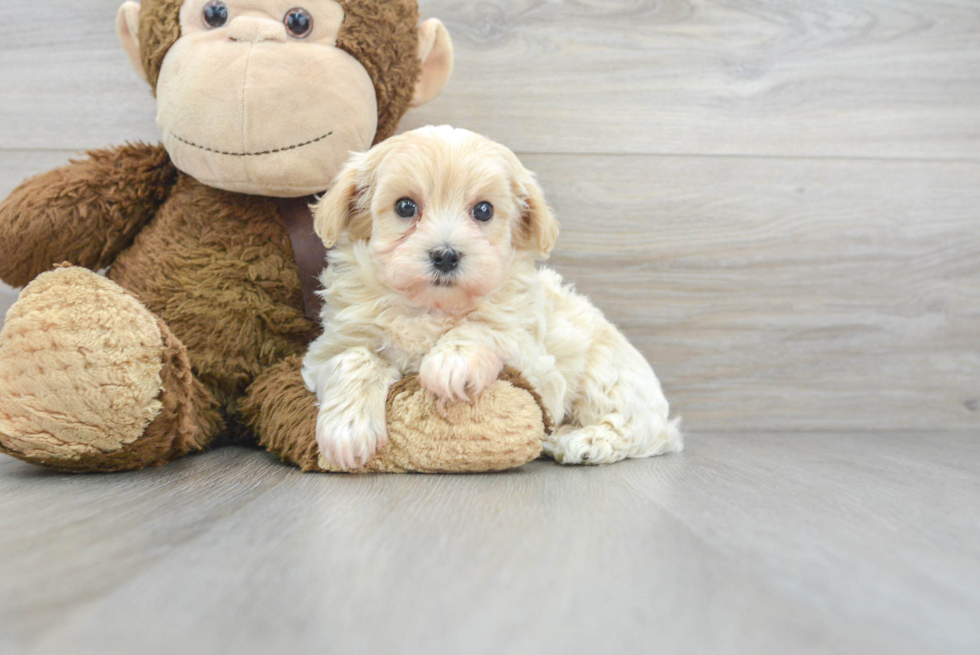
(436, 55)
(127, 27)
(539, 227)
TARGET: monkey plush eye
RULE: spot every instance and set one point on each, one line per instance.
(215, 14)
(483, 212)
(298, 22)
(406, 208)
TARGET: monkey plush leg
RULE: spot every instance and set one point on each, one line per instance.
(501, 429)
(90, 380)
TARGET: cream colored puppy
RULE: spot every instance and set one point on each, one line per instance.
(437, 232)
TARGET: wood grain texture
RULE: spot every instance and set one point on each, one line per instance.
(757, 77)
(785, 294)
(773, 294)
(769, 543)
(7, 298)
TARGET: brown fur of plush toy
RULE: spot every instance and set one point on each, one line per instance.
(194, 336)
(92, 381)
(208, 285)
(92, 209)
(55, 369)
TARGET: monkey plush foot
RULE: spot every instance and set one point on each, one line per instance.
(502, 429)
(90, 380)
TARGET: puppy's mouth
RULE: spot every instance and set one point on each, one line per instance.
(445, 281)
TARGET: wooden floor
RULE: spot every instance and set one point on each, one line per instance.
(778, 201)
(764, 543)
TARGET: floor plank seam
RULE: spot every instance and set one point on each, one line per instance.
(644, 155)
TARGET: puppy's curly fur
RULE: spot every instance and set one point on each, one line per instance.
(420, 282)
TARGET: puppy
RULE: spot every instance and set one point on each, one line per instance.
(437, 232)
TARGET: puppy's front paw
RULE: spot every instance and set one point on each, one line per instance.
(459, 373)
(350, 435)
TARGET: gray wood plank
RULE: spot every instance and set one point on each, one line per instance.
(757, 77)
(96, 532)
(17, 166)
(775, 294)
(7, 298)
(764, 543)
(772, 294)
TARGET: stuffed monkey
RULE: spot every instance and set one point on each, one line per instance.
(195, 335)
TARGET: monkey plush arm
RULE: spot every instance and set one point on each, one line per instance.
(85, 213)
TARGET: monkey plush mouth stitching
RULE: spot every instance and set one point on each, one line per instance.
(252, 154)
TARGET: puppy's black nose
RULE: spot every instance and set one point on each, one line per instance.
(445, 260)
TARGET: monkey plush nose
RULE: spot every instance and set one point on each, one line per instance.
(251, 28)
(445, 260)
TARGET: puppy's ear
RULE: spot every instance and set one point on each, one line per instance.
(336, 211)
(539, 228)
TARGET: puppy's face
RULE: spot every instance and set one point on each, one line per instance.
(445, 212)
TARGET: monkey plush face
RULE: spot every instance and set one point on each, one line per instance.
(270, 97)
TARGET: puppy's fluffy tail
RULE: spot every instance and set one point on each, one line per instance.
(674, 436)
(667, 438)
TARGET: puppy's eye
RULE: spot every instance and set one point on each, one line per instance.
(406, 208)
(215, 14)
(483, 212)
(298, 22)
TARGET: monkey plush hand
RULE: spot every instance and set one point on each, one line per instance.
(195, 336)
